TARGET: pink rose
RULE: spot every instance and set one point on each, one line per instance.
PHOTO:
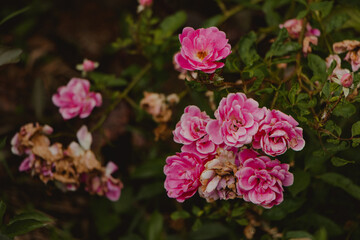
(145, 2)
(261, 180)
(293, 26)
(236, 121)
(346, 80)
(278, 132)
(76, 99)
(182, 175)
(201, 49)
(190, 130)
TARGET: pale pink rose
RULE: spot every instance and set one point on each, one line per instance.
(346, 45)
(182, 175)
(353, 57)
(236, 121)
(87, 66)
(202, 49)
(145, 2)
(293, 26)
(76, 99)
(261, 180)
(306, 44)
(331, 58)
(278, 132)
(346, 80)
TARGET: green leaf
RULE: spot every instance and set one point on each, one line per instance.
(326, 89)
(239, 211)
(22, 226)
(155, 226)
(279, 212)
(172, 23)
(323, 7)
(213, 21)
(355, 142)
(182, 214)
(342, 182)
(150, 190)
(335, 22)
(247, 49)
(242, 222)
(332, 127)
(279, 48)
(278, 43)
(344, 110)
(149, 169)
(339, 162)
(9, 55)
(293, 93)
(302, 14)
(32, 215)
(259, 79)
(355, 129)
(298, 234)
(196, 86)
(318, 66)
(107, 80)
(301, 182)
(2, 211)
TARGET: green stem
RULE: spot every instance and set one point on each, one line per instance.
(122, 95)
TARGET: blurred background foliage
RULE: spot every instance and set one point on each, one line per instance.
(48, 38)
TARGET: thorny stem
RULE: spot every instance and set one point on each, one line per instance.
(326, 115)
(122, 95)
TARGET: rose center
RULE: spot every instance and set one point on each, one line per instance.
(201, 55)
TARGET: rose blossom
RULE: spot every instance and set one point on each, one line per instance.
(76, 99)
(236, 121)
(261, 180)
(87, 65)
(344, 78)
(190, 130)
(278, 132)
(201, 49)
(145, 2)
(182, 175)
(293, 26)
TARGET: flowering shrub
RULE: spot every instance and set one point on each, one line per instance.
(223, 119)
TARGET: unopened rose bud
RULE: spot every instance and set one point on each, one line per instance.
(346, 80)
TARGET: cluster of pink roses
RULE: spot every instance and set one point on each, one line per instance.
(294, 28)
(68, 167)
(343, 76)
(215, 161)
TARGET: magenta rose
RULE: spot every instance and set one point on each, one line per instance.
(182, 175)
(278, 132)
(202, 49)
(190, 130)
(236, 121)
(75, 99)
(261, 180)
